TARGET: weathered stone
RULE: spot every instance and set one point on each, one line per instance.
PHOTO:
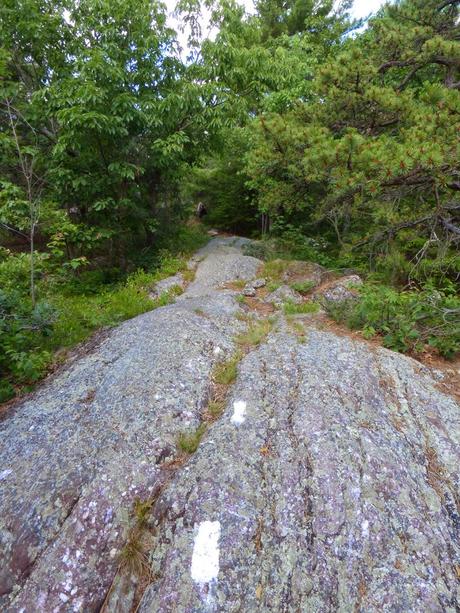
(342, 290)
(249, 291)
(258, 283)
(299, 271)
(168, 284)
(330, 482)
(335, 492)
(75, 456)
(283, 294)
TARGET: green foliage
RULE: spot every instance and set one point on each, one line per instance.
(373, 153)
(23, 332)
(220, 185)
(303, 287)
(408, 320)
(304, 308)
(275, 269)
(189, 441)
(256, 333)
(226, 372)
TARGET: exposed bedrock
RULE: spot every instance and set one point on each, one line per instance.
(329, 483)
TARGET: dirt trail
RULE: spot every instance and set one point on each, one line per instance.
(329, 482)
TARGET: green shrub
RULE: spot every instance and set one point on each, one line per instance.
(6, 390)
(15, 270)
(303, 287)
(407, 320)
(290, 308)
(257, 249)
(23, 331)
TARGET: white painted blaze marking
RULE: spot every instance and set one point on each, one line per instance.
(239, 412)
(205, 557)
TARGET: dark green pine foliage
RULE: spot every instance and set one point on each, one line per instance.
(375, 152)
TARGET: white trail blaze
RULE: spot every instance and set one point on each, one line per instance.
(239, 412)
(205, 557)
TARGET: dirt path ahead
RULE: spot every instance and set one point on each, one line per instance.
(326, 480)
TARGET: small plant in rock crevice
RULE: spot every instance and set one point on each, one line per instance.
(297, 328)
(256, 333)
(189, 441)
(303, 287)
(290, 308)
(226, 372)
(133, 556)
(215, 409)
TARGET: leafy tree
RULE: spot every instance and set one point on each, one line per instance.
(98, 88)
(221, 184)
(252, 68)
(376, 154)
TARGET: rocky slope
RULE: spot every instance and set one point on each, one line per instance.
(329, 482)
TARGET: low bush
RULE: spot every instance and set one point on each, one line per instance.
(23, 332)
(408, 321)
(303, 287)
(291, 308)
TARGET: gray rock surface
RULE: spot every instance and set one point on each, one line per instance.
(337, 493)
(168, 284)
(258, 283)
(330, 482)
(283, 294)
(341, 290)
(305, 271)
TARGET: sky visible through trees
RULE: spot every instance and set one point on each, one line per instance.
(360, 9)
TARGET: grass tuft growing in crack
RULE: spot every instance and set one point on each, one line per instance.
(290, 308)
(225, 372)
(303, 287)
(188, 275)
(298, 329)
(275, 269)
(167, 297)
(188, 442)
(256, 333)
(133, 556)
(215, 409)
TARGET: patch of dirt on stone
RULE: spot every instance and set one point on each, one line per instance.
(261, 308)
(298, 271)
(450, 383)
